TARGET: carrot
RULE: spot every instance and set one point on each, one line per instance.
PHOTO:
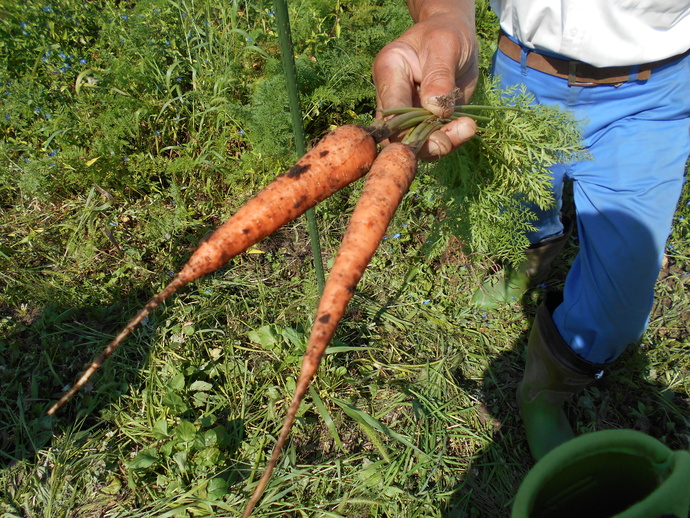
(388, 181)
(341, 157)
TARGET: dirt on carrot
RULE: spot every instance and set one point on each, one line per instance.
(339, 158)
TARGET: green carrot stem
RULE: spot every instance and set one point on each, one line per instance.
(402, 110)
(480, 107)
(477, 118)
(417, 136)
(407, 120)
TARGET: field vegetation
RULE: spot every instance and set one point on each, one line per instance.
(131, 129)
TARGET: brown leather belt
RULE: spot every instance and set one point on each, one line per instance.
(578, 73)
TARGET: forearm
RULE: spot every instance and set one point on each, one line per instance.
(423, 9)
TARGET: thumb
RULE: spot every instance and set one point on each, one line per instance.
(437, 91)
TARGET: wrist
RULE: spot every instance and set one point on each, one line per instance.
(420, 10)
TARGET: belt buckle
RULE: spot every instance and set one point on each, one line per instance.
(572, 76)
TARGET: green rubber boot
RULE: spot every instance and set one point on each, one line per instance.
(553, 374)
(510, 284)
(607, 474)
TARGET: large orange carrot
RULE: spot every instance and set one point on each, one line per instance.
(341, 157)
(388, 181)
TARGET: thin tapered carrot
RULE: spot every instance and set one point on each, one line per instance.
(341, 157)
(385, 186)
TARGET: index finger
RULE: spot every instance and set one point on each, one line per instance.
(396, 75)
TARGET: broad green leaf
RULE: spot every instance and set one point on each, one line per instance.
(160, 430)
(266, 336)
(200, 386)
(185, 431)
(144, 459)
(177, 383)
(175, 403)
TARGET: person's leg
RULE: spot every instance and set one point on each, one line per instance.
(638, 135)
(625, 199)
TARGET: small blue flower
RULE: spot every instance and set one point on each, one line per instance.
(53, 152)
(37, 110)
(47, 116)
(158, 132)
(427, 301)
(541, 285)
(52, 164)
(44, 59)
(240, 132)
(483, 315)
(7, 116)
(124, 158)
(26, 159)
(23, 25)
(82, 61)
(179, 79)
(48, 9)
(396, 236)
(271, 12)
(125, 17)
(184, 15)
(62, 55)
(155, 11)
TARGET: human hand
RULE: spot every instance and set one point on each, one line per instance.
(433, 65)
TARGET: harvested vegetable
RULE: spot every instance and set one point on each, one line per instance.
(509, 138)
(341, 157)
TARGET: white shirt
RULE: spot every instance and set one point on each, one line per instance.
(602, 33)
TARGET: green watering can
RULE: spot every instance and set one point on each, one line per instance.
(607, 474)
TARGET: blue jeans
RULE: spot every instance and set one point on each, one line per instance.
(638, 134)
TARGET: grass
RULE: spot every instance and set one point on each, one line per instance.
(413, 410)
